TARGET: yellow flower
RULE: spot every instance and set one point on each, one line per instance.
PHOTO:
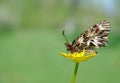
(79, 56)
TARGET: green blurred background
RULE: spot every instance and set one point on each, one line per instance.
(31, 40)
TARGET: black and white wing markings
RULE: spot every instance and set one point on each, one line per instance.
(97, 36)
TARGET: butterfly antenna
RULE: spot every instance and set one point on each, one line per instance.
(63, 33)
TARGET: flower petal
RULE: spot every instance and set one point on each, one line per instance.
(79, 56)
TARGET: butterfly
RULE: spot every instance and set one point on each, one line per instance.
(95, 37)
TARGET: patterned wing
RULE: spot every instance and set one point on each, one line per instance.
(97, 36)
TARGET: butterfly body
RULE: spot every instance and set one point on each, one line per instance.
(95, 37)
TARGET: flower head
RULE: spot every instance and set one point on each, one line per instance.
(80, 56)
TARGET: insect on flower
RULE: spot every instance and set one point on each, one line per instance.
(95, 37)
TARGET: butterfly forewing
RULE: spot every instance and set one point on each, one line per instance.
(95, 37)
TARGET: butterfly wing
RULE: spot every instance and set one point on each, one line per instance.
(95, 37)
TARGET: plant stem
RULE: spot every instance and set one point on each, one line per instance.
(75, 72)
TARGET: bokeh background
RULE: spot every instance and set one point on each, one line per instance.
(31, 40)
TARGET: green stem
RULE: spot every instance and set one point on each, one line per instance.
(75, 72)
